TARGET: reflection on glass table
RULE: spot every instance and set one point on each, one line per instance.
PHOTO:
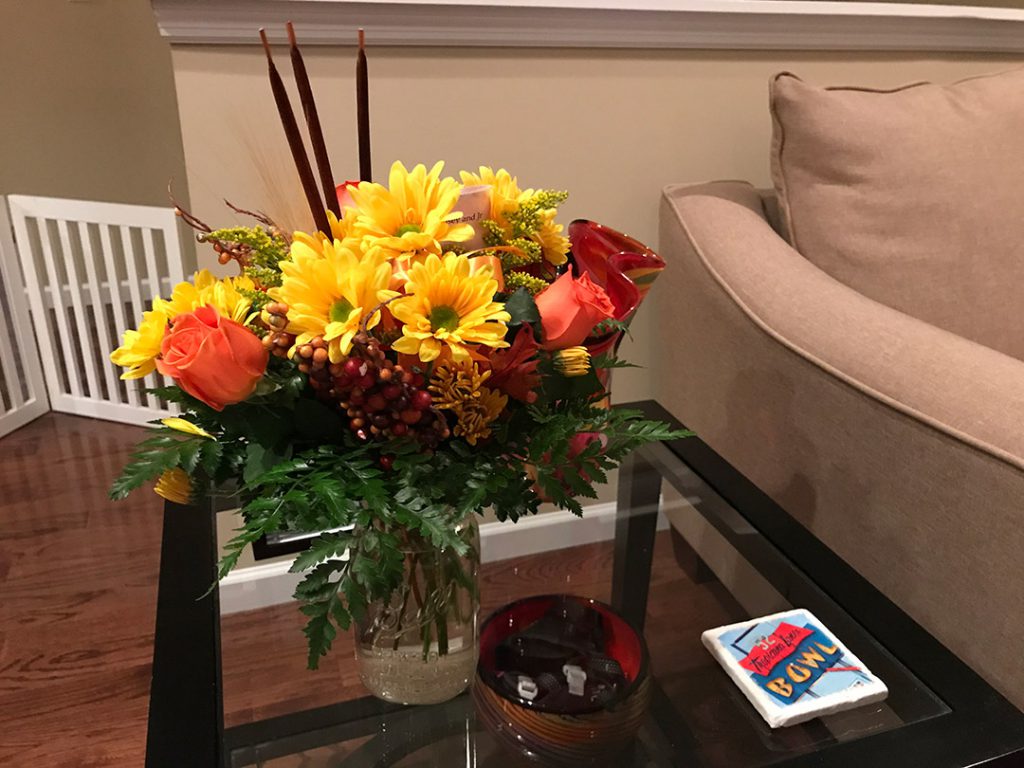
(692, 545)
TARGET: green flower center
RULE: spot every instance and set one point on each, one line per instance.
(340, 310)
(407, 228)
(443, 319)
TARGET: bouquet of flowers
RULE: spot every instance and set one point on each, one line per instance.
(439, 348)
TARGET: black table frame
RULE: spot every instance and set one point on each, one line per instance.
(186, 706)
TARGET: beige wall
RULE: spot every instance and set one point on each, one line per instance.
(88, 108)
(613, 127)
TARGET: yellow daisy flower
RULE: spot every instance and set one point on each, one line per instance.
(185, 426)
(341, 230)
(329, 291)
(139, 348)
(505, 192)
(411, 215)
(174, 485)
(225, 295)
(447, 304)
(554, 245)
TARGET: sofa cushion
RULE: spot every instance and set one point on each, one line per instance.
(912, 196)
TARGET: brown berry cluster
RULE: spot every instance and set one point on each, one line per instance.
(275, 316)
(382, 399)
(224, 254)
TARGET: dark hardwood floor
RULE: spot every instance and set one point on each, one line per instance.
(78, 578)
(77, 597)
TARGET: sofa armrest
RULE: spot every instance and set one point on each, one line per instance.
(896, 443)
(959, 387)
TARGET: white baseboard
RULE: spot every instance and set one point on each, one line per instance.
(266, 584)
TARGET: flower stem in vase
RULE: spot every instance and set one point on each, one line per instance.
(436, 607)
(410, 564)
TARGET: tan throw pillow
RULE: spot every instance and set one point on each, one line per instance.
(912, 196)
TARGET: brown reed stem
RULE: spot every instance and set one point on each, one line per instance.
(316, 134)
(298, 149)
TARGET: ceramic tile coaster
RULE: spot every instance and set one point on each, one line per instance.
(791, 668)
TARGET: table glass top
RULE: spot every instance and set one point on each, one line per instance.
(709, 567)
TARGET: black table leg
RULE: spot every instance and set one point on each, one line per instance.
(635, 525)
(186, 713)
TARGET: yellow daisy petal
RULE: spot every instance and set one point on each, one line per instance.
(406, 345)
(430, 349)
(140, 348)
(174, 485)
(182, 425)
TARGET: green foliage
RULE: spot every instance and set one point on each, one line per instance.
(608, 360)
(518, 240)
(422, 498)
(563, 473)
(267, 249)
(165, 450)
(493, 233)
(522, 307)
(526, 219)
(610, 326)
(517, 281)
(265, 276)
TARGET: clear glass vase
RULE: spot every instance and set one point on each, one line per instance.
(421, 645)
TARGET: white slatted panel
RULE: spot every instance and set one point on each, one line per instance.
(90, 271)
(22, 391)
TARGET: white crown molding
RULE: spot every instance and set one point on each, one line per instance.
(666, 24)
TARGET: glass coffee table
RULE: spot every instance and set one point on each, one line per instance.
(695, 545)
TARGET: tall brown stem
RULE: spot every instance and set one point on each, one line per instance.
(298, 149)
(316, 134)
(363, 110)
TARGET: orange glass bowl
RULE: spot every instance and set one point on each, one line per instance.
(589, 735)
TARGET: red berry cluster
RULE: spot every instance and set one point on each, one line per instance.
(382, 399)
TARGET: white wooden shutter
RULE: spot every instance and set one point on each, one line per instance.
(90, 270)
(22, 392)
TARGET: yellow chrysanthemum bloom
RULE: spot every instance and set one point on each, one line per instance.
(341, 231)
(505, 192)
(174, 485)
(224, 295)
(185, 426)
(447, 304)
(572, 361)
(139, 348)
(330, 291)
(554, 245)
(411, 215)
(459, 387)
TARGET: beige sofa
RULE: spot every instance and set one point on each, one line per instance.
(899, 443)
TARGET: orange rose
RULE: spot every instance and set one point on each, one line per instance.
(213, 358)
(570, 308)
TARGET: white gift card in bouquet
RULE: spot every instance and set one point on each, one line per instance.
(791, 668)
